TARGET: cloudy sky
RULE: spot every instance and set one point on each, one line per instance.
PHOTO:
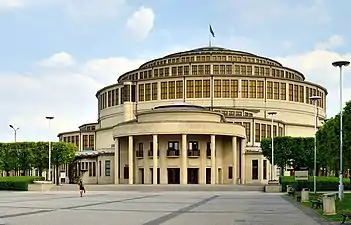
(55, 54)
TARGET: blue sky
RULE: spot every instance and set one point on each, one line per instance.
(57, 53)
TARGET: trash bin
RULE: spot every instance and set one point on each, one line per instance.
(305, 195)
(329, 204)
(288, 188)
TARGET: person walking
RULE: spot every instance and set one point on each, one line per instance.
(81, 187)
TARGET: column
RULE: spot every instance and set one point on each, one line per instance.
(235, 161)
(213, 159)
(131, 159)
(184, 166)
(116, 163)
(146, 165)
(155, 158)
(243, 161)
(80, 142)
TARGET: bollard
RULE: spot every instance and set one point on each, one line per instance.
(305, 195)
(329, 204)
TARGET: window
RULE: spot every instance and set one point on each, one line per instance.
(201, 69)
(107, 168)
(280, 131)
(198, 88)
(180, 71)
(291, 91)
(269, 90)
(234, 88)
(215, 69)
(274, 131)
(194, 70)
(109, 100)
(276, 91)
(91, 141)
(237, 69)
(269, 131)
(257, 132)
(207, 69)
(230, 172)
(206, 88)
(100, 170)
(282, 91)
(190, 89)
(254, 169)
(179, 89)
(308, 95)
(154, 91)
(302, 94)
(117, 96)
(164, 90)
(126, 93)
(77, 140)
(229, 69)
(94, 169)
(85, 141)
(147, 92)
(249, 70)
(263, 131)
(217, 88)
(225, 88)
(296, 93)
(141, 92)
(247, 126)
(243, 70)
(126, 172)
(193, 145)
(244, 88)
(264, 169)
(90, 170)
(252, 89)
(171, 89)
(173, 145)
(174, 71)
(113, 95)
(260, 88)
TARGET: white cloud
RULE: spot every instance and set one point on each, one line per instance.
(334, 41)
(10, 4)
(61, 59)
(141, 23)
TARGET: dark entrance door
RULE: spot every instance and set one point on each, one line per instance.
(255, 169)
(152, 175)
(208, 175)
(141, 172)
(173, 175)
(193, 175)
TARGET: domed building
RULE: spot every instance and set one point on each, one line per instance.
(194, 117)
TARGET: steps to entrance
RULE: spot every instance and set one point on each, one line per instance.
(160, 188)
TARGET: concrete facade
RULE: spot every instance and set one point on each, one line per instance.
(236, 91)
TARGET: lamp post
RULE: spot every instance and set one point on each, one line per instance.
(15, 130)
(49, 175)
(340, 64)
(272, 114)
(315, 100)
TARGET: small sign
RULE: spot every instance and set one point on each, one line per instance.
(63, 175)
(301, 175)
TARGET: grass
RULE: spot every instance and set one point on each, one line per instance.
(320, 179)
(28, 179)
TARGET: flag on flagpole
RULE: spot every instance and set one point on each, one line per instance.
(211, 31)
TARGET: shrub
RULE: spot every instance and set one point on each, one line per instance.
(323, 183)
(17, 183)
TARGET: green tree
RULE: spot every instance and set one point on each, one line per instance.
(346, 137)
(40, 152)
(62, 153)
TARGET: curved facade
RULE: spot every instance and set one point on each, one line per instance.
(241, 87)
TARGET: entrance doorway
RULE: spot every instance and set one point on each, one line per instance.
(141, 175)
(255, 169)
(173, 175)
(152, 175)
(208, 175)
(193, 175)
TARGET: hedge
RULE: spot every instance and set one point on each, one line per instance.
(17, 183)
(323, 183)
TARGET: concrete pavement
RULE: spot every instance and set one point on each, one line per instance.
(140, 208)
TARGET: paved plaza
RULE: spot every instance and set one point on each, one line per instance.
(149, 208)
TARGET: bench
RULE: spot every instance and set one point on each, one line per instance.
(345, 216)
(298, 197)
(291, 191)
(317, 203)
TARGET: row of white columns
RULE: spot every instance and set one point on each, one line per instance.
(184, 166)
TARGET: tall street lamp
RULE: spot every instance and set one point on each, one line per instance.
(340, 64)
(15, 130)
(49, 175)
(315, 100)
(272, 114)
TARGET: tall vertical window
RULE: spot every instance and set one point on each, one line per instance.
(249, 70)
(276, 91)
(186, 70)
(113, 95)
(291, 92)
(269, 90)
(206, 88)
(100, 169)
(201, 70)
(179, 89)
(225, 88)
(280, 131)
(77, 141)
(164, 90)
(94, 169)
(198, 88)
(215, 69)
(247, 126)
(141, 92)
(229, 69)
(260, 88)
(190, 89)
(282, 91)
(269, 131)
(217, 88)
(257, 132)
(264, 169)
(222, 69)
(244, 88)
(254, 169)
(154, 91)
(274, 130)
(109, 99)
(90, 170)
(296, 93)
(107, 168)
(307, 95)
(194, 70)
(252, 89)
(85, 141)
(91, 141)
(180, 71)
(174, 71)
(207, 69)
(234, 89)
(263, 131)
(147, 92)
(171, 89)
(302, 94)
(117, 96)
